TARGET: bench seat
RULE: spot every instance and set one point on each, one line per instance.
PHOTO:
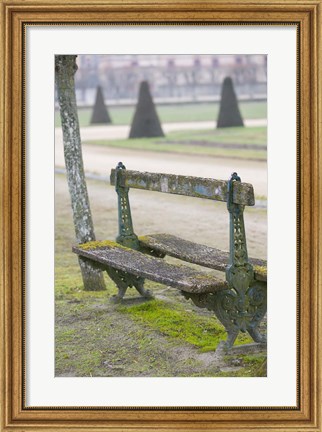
(197, 253)
(155, 269)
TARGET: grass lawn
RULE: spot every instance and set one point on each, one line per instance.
(174, 113)
(244, 143)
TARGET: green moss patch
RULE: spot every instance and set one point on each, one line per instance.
(174, 321)
(261, 270)
(97, 244)
(250, 366)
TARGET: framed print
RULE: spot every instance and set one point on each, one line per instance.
(124, 308)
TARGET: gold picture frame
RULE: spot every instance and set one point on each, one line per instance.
(306, 15)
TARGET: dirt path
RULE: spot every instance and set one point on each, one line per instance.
(100, 160)
(122, 131)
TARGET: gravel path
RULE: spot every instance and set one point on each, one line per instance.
(122, 131)
(100, 160)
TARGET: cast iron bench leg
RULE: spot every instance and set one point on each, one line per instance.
(124, 281)
(141, 290)
(127, 238)
(257, 305)
(235, 312)
(119, 278)
(256, 335)
(241, 311)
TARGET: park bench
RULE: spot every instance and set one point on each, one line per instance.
(239, 301)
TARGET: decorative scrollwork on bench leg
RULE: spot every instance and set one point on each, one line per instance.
(221, 303)
(242, 306)
(124, 281)
(127, 238)
(257, 295)
(236, 312)
(241, 311)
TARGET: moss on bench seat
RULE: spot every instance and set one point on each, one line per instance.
(111, 254)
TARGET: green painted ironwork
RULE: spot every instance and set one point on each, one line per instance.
(124, 281)
(243, 305)
(127, 238)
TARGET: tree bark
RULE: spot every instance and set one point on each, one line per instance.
(65, 68)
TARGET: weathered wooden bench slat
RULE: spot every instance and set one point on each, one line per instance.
(198, 187)
(197, 253)
(155, 269)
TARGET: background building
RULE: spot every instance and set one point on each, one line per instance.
(172, 78)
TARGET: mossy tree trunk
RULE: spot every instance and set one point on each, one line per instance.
(65, 68)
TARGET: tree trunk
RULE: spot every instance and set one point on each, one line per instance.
(65, 68)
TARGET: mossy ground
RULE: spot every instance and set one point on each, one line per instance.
(250, 365)
(168, 336)
(156, 338)
(183, 324)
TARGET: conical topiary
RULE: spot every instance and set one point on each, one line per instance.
(100, 114)
(145, 122)
(229, 114)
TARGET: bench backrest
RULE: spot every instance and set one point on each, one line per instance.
(243, 193)
(239, 272)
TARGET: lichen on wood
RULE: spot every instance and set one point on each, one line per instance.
(96, 244)
(260, 272)
(198, 187)
(136, 263)
(197, 253)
